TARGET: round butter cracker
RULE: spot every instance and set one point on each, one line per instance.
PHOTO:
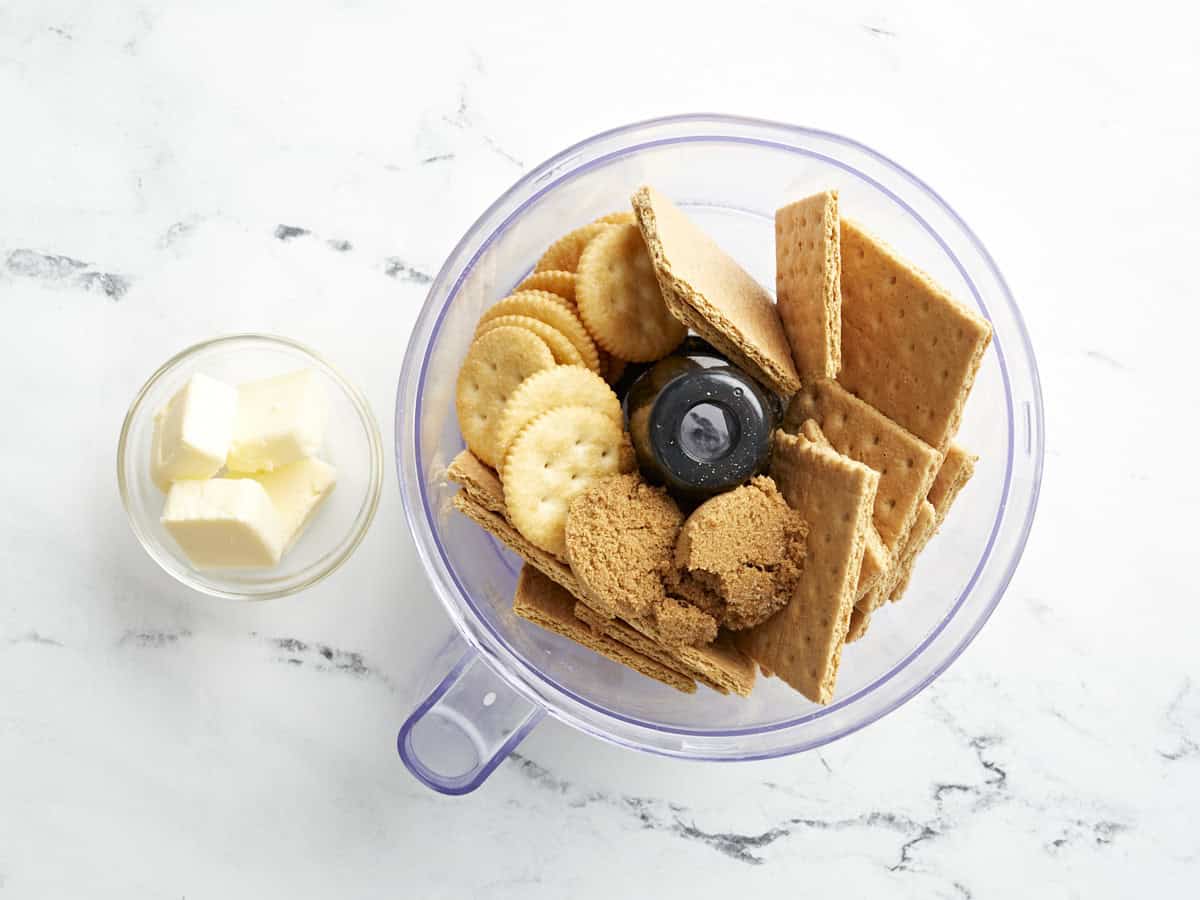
(554, 281)
(614, 368)
(564, 351)
(625, 217)
(564, 253)
(619, 299)
(550, 389)
(556, 457)
(496, 363)
(551, 309)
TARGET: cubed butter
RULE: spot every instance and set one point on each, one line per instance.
(297, 490)
(192, 433)
(224, 523)
(279, 420)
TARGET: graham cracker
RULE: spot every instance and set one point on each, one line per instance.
(708, 291)
(623, 633)
(802, 644)
(479, 480)
(808, 283)
(875, 565)
(482, 500)
(876, 558)
(952, 477)
(956, 471)
(874, 591)
(860, 621)
(905, 463)
(925, 528)
(546, 604)
(908, 348)
(721, 662)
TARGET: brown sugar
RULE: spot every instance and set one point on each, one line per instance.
(621, 535)
(740, 554)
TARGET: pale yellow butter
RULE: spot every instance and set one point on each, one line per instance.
(192, 433)
(224, 523)
(279, 421)
(297, 490)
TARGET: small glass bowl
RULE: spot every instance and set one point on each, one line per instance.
(352, 445)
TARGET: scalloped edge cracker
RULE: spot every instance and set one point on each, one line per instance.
(908, 348)
(808, 283)
(706, 289)
(620, 300)
(802, 644)
(563, 255)
(496, 363)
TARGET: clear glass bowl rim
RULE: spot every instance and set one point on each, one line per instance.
(527, 679)
(363, 519)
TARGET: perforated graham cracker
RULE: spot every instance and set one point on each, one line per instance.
(630, 637)
(803, 643)
(877, 567)
(876, 564)
(860, 621)
(478, 479)
(924, 529)
(877, 561)
(952, 477)
(708, 291)
(721, 662)
(546, 604)
(808, 283)
(908, 348)
(956, 471)
(906, 464)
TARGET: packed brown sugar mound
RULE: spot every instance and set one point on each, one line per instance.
(621, 536)
(742, 552)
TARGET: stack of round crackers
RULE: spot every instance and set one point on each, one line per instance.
(533, 396)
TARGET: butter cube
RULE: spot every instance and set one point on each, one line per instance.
(193, 431)
(224, 523)
(297, 490)
(279, 420)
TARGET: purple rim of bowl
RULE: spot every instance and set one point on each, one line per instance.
(711, 120)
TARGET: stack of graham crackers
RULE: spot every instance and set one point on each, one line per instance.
(877, 362)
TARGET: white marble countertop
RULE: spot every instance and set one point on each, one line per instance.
(167, 175)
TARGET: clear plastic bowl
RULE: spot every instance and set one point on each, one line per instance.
(352, 445)
(729, 175)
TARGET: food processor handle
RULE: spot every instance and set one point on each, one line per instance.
(466, 727)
